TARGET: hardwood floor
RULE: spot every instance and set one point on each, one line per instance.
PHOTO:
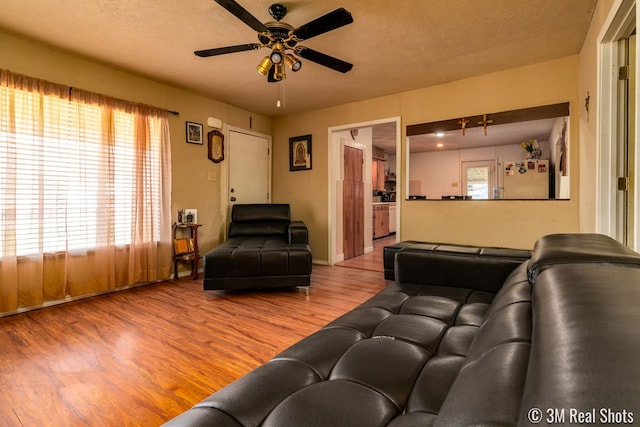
(373, 260)
(142, 356)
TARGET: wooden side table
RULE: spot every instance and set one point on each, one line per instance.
(185, 249)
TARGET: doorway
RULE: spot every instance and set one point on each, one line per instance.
(617, 155)
(354, 135)
(626, 146)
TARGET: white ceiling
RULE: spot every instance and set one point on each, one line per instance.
(395, 46)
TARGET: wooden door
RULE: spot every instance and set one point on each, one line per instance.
(353, 203)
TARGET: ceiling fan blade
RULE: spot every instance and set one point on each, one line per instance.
(229, 49)
(242, 14)
(323, 59)
(332, 20)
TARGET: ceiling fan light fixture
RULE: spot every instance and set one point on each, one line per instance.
(264, 66)
(279, 73)
(294, 63)
(282, 40)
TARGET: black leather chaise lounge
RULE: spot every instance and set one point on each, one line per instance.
(264, 249)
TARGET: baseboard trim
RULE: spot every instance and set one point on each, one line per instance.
(76, 298)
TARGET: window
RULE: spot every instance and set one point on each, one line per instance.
(79, 171)
(63, 188)
(478, 179)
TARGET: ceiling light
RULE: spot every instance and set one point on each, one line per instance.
(277, 54)
(264, 66)
(439, 145)
(294, 63)
(278, 72)
(439, 134)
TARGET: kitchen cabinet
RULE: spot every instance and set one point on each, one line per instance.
(380, 220)
(378, 153)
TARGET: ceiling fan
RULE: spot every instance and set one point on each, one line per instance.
(283, 39)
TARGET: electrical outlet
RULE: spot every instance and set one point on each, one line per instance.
(212, 176)
(454, 184)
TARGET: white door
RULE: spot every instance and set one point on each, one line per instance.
(249, 168)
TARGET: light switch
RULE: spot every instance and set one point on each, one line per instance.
(454, 184)
(212, 177)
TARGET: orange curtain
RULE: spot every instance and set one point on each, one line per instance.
(86, 184)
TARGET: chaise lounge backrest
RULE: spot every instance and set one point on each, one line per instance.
(260, 220)
(267, 220)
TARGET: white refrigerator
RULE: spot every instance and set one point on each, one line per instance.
(524, 179)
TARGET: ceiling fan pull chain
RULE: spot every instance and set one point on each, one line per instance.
(281, 95)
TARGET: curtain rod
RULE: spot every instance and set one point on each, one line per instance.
(71, 88)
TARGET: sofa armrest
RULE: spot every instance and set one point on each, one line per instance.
(455, 266)
(298, 232)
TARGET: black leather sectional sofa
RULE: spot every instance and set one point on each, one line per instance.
(463, 338)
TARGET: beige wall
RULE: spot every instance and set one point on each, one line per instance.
(191, 189)
(501, 223)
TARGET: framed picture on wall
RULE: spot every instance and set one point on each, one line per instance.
(300, 153)
(215, 147)
(194, 133)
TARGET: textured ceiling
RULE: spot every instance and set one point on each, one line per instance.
(395, 46)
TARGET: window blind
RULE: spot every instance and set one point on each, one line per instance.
(74, 175)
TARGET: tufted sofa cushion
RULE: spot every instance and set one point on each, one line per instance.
(496, 363)
(258, 256)
(395, 355)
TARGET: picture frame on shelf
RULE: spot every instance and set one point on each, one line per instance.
(190, 216)
(194, 133)
(300, 153)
